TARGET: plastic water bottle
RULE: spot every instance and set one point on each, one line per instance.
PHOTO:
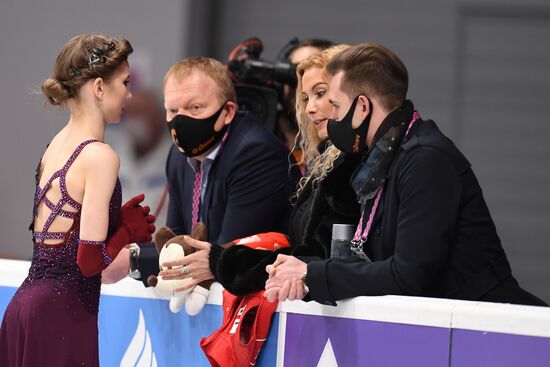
(342, 234)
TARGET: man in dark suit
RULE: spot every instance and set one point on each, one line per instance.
(245, 184)
(425, 227)
(224, 169)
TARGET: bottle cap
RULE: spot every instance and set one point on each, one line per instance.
(342, 231)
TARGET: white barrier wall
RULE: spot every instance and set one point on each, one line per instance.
(136, 328)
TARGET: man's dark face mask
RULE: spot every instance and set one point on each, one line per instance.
(195, 136)
(344, 136)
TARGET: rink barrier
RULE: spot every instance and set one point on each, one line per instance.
(137, 328)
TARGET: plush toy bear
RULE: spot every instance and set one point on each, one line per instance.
(171, 247)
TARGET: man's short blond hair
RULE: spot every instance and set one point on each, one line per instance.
(210, 67)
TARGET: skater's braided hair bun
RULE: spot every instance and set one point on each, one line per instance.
(83, 58)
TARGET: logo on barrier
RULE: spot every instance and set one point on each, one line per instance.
(328, 359)
(139, 352)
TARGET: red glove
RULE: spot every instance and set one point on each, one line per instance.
(136, 225)
(137, 220)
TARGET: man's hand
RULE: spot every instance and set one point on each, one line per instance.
(285, 279)
(194, 266)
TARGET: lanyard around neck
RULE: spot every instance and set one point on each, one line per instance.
(361, 235)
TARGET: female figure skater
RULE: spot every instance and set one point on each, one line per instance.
(78, 223)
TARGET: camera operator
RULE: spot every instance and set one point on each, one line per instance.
(287, 127)
(267, 89)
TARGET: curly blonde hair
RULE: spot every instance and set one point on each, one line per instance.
(318, 165)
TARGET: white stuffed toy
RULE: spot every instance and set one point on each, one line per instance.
(173, 247)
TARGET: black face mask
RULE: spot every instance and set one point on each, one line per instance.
(195, 136)
(344, 136)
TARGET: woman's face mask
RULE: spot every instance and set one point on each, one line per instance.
(194, 136)
(344, 136)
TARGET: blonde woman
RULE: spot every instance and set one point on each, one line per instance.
(324, 195)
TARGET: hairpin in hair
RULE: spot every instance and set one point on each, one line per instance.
(97, 56)
(73, 71)
(109, 47)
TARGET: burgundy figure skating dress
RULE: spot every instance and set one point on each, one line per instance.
(52, 318)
